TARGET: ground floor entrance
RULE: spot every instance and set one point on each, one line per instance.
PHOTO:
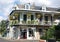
(23, 34)
(27, 32)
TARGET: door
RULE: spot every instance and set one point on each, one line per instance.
(23, 34)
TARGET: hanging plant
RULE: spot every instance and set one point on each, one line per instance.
(38, 16)
(28, 14)
(28, 21)
(16, 14)
(32, 22)
(10, 17)
(23, 22)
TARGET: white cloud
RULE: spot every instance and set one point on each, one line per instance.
(49, 3)
(6, 1)
(26, 1)
(5, 8)
(41, 2)
(2, 18)
(37, 2)
(8, 9)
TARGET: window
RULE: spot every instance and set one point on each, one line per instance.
(24, 17)
(59, 17)
(51, 18)
(40, 18)
(32, 17)
(27, 6)
(8, 30)
(44, 8)
(46, 18)
(19, 17)
(31, 32)
(41, 32)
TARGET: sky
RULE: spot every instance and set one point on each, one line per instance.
(7, 5)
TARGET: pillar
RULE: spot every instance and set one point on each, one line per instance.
(52, 18)
(34, 31)
(11, 33)
(21, 17)
(8, 28)
(43, 19)
(37, 35)
(27, 33)
(18, 33)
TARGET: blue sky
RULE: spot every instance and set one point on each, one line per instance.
(6, 5)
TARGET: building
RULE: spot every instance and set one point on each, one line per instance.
(30, 21)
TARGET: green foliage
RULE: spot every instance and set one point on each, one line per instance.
(2, 26)
(57, 31)
(49, 33)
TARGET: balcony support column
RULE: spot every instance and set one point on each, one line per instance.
(11, 33)
(43, 20)
(19, 33)
(27, 33)
(52, 19)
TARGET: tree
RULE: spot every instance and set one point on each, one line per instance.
(3, 26)
(49, 33)
(57, 31)
(53, 32)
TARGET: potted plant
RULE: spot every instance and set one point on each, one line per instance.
(28, 21)
(32, 22)
(23, 22)
(36, 22)
(11, 17)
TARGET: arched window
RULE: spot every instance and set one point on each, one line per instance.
(27, 6)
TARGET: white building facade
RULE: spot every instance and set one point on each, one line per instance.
(31, 24)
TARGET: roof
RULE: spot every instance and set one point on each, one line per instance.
(33, 6)
(51, 9)
(26, 10)
(47, 8)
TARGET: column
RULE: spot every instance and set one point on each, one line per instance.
(21, 18)
(52, 18)
(27, 33)
(49, 20)
(34, 31)
(8, 29)
(18, 33)
(43, 19)
(11, 33)
(37, 35)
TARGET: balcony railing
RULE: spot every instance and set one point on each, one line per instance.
(29, 22)
(55, 23)
(35, 22)
(15, 22)
(47, 23)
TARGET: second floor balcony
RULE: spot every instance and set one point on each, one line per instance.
(33, 22)
(29, 22)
